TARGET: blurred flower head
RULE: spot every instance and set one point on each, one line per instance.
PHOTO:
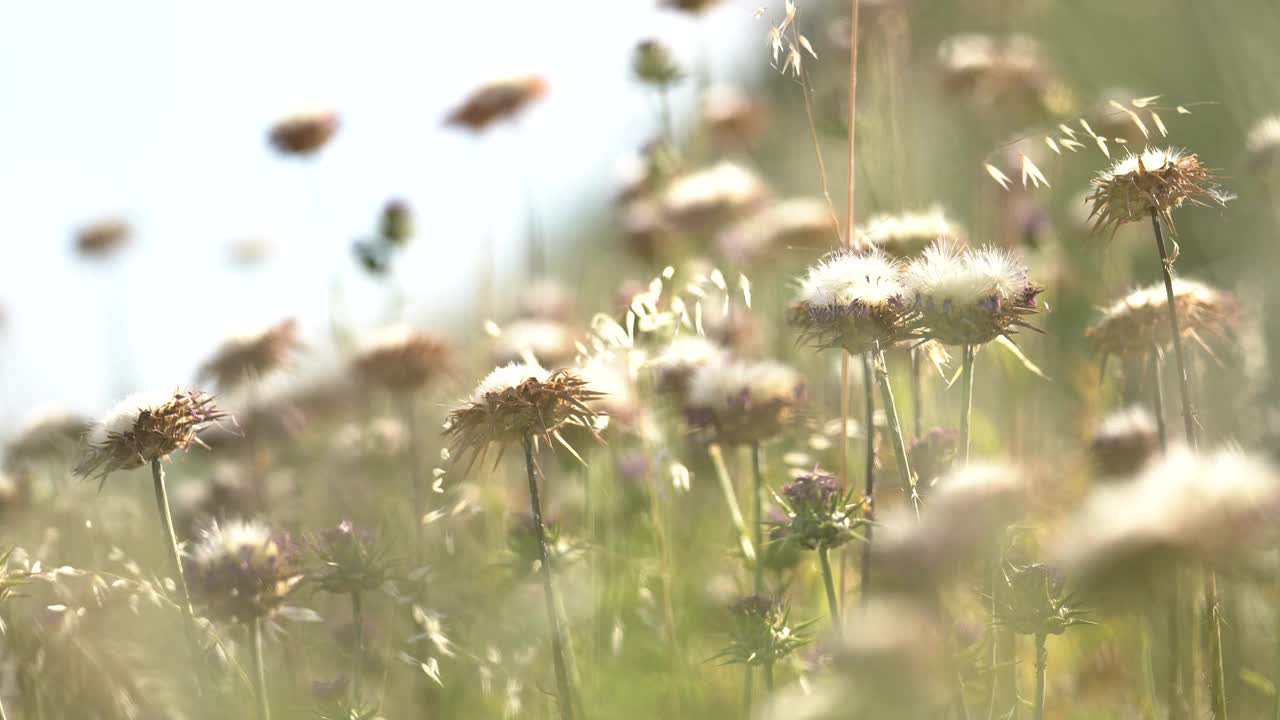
(102, 238)
(47, 437)
(1124, 441)
(1138, 324)
(348, 559)
(242, 571)
(933, 454)
(653, 63)
(303, 134)
(252, 356)
(550, 342)
(395, 223)
(146, 427)
(674, 365)
(760, 632)
(712, 196)
(970, 296)
(400, 358)
(497, 100)
(739, 402)
(734, 117)
(907, 235)
(777, 228)
(820, 513)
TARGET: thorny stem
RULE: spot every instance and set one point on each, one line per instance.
(895, 430)
(832, 605)
(757, 516)
(1184, 389)
(189, 628)
(869, 487)
(731, 499)
(357, 649)
(966, 400)
(548, 588)
(1042, 661)
(259, 671)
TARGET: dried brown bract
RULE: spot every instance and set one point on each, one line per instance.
(1159, 179)
(400, 358)
(141, 429)
(1138, 324)
(303, 133)
(243, 358)
(497, 100)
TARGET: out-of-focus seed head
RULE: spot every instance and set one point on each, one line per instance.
(550, 342)
(252, 356)
(47, 437)
(739, 402)
(400, 358)
(1138, 324)
(1159, 179)
(820, 513)
(653, 63)
(711, 197)
(146, 427)
(855, 301)
(1036, 602)
(690, 6)
(242, 571)
(1124, 442)
(760, 632)
(907, 235)
(970, 296)
(102, 238)
(497, 100)
(395, 224)
(674, 366)
(1009, 73)
(933, 454)
(733, 117)
(778, 229)
(517, 401)
(348, 559)
(618, 402)
(303, 134)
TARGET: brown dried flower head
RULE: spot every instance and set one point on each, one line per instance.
(242, 570)
(243, 358)
(1124, 442)
(690, 6)
(303, 133)
(855, 301)
(401, 358)
(144, 428)
(907, 235)
(1138, 324)
(102, 238)
(738, 402)
(778, 228)
(1159, 179)
(517, 401)
(497, 100)
(712, 196)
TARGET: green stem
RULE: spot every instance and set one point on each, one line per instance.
(832, 605)
(895, 431)
(189, 628)
(1175, 698)
(1217, 674)
(412, 467)
(1148, 667)
(731, 500)
(869, 488)
(768, 678)
(259, 671)
(917, 393)
(966, 400)
(548, 588)
(1157, 399)
(757, 515)
(1042, 661)
(357, 651)
(1184, 388)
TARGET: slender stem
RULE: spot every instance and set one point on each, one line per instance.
(748, 690)
(768, 678)
(664, 101)
(853, 106)
(1175, 698)
(1157, 398)
(189, 628)
(1184, 389)
(757, 515)
(3, 715)
(1042, 661)
(832, 605)
(844, 416)
(895, 430)
(966, 400)
(259, 671)
(357, 649)
(412, 461)
(548, 588)
(731, 499)
(813, 137)
(1147, 660)
(869, 487)
(1217, 674)
(917, 394)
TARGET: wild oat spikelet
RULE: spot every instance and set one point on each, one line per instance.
(906, 235)
(970, 296)
(496, 101)
(242, 571)
(400, 358)
(102, 238)
(142, 428)
(739, 402)
(303, 133)
(1138, 324)
(1159, 179)
(855, 301)
(519, 400)
(778, 228)
(243, 358)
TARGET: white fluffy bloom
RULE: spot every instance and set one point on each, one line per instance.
(908, 233)
(844, 279)
(724, 188)
(966, 277)
(122, 417)
(1152, 159)
(508, 376)
(1155, 297)
(728, 385)
(686, 354)
(229, 540)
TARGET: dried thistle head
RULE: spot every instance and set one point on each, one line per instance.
(247, 357)
(712, 196)
(103, 237)
(497, 100)
(777, 229)
(739, 402)
(1159, 179)
(143, 428)
(303, 134)
(820, 513)
(970, 296)
(1138, 324)
(734, 117)
(855, 301)
(760, 632)
(690, 6)
(653, 63)
(674, 366)
(47, 437)
(400, 358)
(395, 222)
(242, 571)
(550, 342)
(1124, 442)
(517, 401)
(348, 559)
(906, 235)
(1002, 72)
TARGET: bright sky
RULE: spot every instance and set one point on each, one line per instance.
(157, 110)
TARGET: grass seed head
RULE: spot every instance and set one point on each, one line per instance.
(143, 428)
(305, 133)
(1159, 179)
(242, 571)
(970, 296)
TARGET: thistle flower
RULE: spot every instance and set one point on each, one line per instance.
(712, 196)
(102, 238)
(1138, 324)
(653, 63)
(519, 400)
(933, 454)
(303, 133)
(1159, 179)
(995, 71)
(970, 296)
(855, 301)
(675, 365)
(400, 358)
(820, 513)
(733, 117)
(608, 377)
(242, 571)
(497, 100)
(551, 343)
(146, 427)
(243, 358)
(907, 235)
(690, 6)
(1036, 601)
(760, 632)
(348, 559)
(395, 224)
(739, 402)
(47, 437)
(1124, 442)
(797, 222)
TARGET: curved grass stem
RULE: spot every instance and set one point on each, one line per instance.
(259, 670)
(828, 582)
(966, 400)
(895, 430)
(731, 500)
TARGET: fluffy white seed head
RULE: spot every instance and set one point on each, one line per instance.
(722, 385)
(1264, 137)
(686, 354)
(966, 277)
(508, 376)
(124, 415)
(1152, 159)
(872, 280)
(908, 232)
(229, 540)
